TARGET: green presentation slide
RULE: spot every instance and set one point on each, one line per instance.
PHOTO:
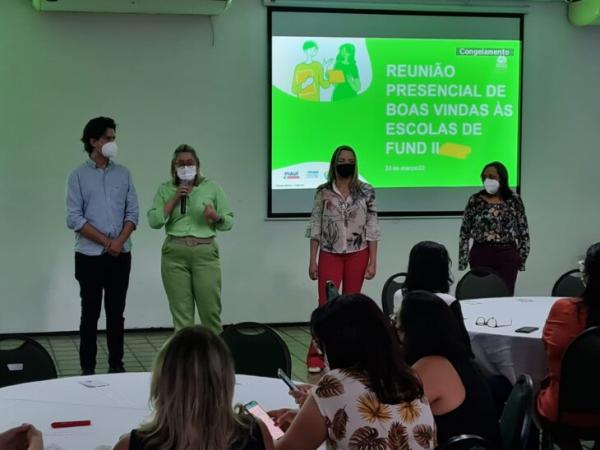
(418, 112)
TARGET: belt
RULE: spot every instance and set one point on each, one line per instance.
(497, 244)
(191, 241)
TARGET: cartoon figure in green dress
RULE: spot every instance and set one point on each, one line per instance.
(345, 74)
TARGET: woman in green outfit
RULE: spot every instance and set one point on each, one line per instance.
(345, 62)
(192, 208)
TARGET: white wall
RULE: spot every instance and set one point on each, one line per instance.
(165, 84)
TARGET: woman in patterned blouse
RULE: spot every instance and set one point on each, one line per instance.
(495, 219)
(370, 399)
(343, 230)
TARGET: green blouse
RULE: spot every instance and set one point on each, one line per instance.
(192, 223)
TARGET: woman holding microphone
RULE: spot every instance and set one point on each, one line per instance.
(343, 233)
(192, 209)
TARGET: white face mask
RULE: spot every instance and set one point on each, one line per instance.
(186, 173)
(491, 186)
(110, 149)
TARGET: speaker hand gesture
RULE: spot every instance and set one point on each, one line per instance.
(210, 214)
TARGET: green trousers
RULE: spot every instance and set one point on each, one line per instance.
(191, 276)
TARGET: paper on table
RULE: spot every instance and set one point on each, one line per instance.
(63, 431)
(93, 383)
(53, 447)
(472, 302)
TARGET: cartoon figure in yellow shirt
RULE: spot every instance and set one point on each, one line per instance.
(309, 76)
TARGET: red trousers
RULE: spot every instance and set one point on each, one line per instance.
(345, 269)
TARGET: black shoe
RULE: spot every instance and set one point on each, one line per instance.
(116, 369)
(88, 371)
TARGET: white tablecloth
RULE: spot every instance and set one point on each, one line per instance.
(502, 351)
(114, 409)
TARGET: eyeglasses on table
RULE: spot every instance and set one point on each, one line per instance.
(491, 322)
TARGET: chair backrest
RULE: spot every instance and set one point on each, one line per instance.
(579, 391)
(466, 442)
(257, 349)
(26, 361)
(392, 284)
(569, 284)
(481, 282)
(516, 418)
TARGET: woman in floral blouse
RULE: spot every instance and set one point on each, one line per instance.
(343, 231)
(370, 399)
(495, 219)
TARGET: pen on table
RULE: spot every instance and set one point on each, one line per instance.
(73, 423)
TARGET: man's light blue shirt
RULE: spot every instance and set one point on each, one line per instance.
(104, 198)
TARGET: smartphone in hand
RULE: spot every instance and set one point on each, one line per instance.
(281, 374)
(257, 411)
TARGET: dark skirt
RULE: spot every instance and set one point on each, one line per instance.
(504, 259)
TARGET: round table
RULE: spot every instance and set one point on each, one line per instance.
(502, 351)
(114, 409)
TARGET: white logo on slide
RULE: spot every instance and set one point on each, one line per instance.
(308, 175)
(501, 62)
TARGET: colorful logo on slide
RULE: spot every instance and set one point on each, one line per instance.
(321, 69)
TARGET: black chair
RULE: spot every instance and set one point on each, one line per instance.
(500, 388)
(516, 419)
(392, 284)
(481, 282)
(257, 349)
(579, 390)
(466, 442)
(569, 284)
(25, 362)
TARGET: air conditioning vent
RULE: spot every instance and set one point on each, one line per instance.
(200, 7)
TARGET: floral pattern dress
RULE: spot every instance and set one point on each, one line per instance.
(344, 225)
(357, 420)
(494, 223)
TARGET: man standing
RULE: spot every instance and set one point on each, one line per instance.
(102, 209)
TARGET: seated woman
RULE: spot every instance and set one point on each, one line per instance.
(566, 320)
(370, 398)
(434, 345)
(429, 270)
(191, 395)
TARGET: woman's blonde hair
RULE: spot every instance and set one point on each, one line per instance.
(191, 395)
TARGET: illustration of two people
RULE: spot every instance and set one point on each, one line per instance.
(311, 76)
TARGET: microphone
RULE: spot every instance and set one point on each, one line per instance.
(183, 200)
